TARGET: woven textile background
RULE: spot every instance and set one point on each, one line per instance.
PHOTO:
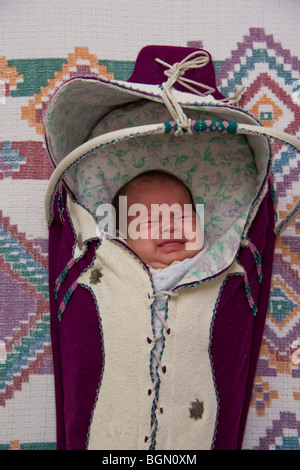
(44, 42)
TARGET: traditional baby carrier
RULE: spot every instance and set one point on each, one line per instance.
(165, 362)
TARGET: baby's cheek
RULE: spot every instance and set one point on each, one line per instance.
(189, 229)
(178, 229)
(154, 231)
(144, 232)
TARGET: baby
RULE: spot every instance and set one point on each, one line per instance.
(167, 228)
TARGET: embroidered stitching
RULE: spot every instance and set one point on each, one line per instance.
(196, 409)
(159, 367)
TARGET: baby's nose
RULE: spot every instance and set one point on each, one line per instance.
(172, 227)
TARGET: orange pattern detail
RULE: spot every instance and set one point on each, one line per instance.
(14, 445)
(263, 395)
(276, 111)
(79, 63)
(9, 76)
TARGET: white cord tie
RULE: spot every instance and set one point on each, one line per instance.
(235, 98)
(175, 72)
(163, 293)
(156, 356)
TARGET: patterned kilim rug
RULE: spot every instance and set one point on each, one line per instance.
(45, 43)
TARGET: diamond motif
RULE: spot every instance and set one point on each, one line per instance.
(280, 305)
(267, 111)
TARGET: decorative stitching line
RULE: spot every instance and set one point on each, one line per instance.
(201, 125)
(287, 220)
(157, 380)
(77, 241)
(250, 299)
(246, 243)
(268, 137)
(66, 299)
(62, 276)
(274, 195)
(103, 358)
(70, 291)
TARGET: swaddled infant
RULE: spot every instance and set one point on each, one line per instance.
(167, 227)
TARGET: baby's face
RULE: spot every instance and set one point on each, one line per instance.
(165, 237)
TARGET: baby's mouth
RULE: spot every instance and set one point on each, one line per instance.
(171, 245)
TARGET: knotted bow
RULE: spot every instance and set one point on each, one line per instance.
(175, 72)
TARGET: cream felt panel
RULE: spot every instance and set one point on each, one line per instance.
(84, 225)
(188, 375)
(122, 412)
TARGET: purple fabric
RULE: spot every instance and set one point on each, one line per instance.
(150, 72)
(236, 334)
(76, 340)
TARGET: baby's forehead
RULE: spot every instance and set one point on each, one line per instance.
(157, 184)
(162, 189)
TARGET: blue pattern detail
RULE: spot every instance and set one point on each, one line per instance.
(11, 159)
(289, 443)
(258, 56)
(24, 262)
(26, 350)
(280, 305)
(285, 160)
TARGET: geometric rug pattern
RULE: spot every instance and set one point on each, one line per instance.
(272, 77)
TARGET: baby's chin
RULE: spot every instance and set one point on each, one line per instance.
(168, 258)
